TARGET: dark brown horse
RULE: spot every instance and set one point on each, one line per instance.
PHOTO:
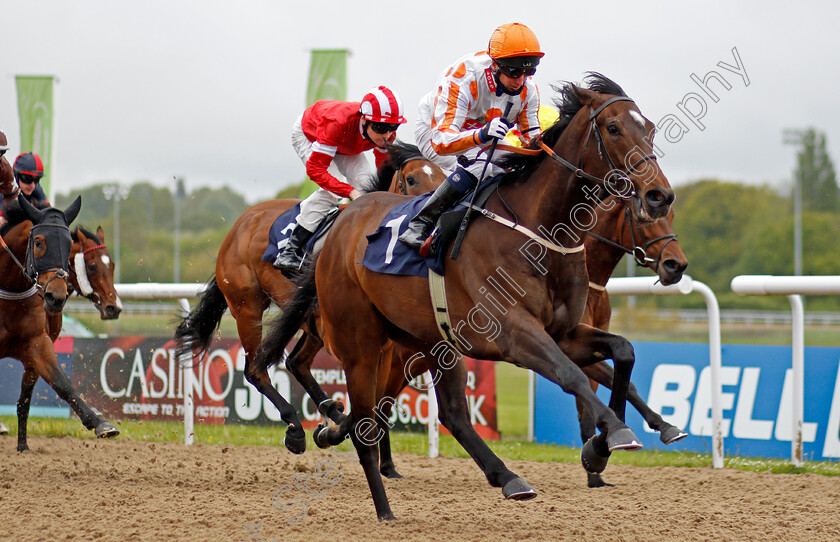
(615, 233)
(652, 245)
(246, 285)
(91, 276)
(527, 246)
(41, 240)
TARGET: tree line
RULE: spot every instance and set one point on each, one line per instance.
(724, 228)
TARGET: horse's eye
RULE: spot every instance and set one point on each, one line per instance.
(410, 180)
(38, 242)
(612, 129)
(91, 267)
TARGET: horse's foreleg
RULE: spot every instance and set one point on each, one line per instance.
(602, 373)
(454, 415)
(54, 325)
(586, 345)
(30, 377)
(366, 432)
(46, 365)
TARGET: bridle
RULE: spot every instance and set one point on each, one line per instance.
(80, 269)
(401, 185)
(31, 270)
(639, 250)
(602, 182)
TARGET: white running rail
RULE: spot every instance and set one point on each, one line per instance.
(793, 287)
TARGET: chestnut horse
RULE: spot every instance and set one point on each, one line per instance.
(246, 285)
(29, 293)
(91, 276)
(529, 250)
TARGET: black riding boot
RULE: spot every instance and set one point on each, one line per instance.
(421, 225)
(292, 254)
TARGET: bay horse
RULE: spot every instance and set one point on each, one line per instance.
(616, 232)
(652, 245)
(91, 276)
(246, 285)
(29, 292)
(530, 247)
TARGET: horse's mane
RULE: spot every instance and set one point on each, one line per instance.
(568, 105)
(398, 154)
(90, 235)
(15, 215)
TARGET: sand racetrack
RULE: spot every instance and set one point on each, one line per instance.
(74, 489)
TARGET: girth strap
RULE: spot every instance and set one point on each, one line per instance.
(437, 289)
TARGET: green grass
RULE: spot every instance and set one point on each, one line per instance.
(512, 401)
(414, 443)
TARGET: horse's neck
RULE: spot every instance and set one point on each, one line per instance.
(552, 194)
(602, 258)
(12, 276)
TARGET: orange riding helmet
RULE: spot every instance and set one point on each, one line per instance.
(515, 45)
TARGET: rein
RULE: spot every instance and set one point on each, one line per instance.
(639, 250)
(578, 170)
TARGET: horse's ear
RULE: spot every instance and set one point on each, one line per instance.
(79, 235)
(101, 234)
(585, 96)
(73, 210)
(29, 210)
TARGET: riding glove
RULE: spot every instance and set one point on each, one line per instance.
(495, 129)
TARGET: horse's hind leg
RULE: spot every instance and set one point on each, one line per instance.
(30, 377)
(299, 363)
(295, 440)
(455, 416)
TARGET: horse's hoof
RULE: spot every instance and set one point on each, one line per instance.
(623, 439)
(672, 434)
(594, 480)
(294, 442)
(518, 490)
(23, 448)
(592, 461)
(388, 516)
(4, 429)
(320, 436)
(106, 430)
(390, 471)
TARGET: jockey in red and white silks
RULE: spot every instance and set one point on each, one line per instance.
(331, 137)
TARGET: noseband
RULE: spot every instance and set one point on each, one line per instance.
(639, 250)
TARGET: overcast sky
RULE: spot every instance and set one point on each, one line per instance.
(208, 90)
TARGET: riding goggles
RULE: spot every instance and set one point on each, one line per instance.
(384, 127)
(27, 179)
(516, 73)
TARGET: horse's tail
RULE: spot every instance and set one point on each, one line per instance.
(196, 329)
(296, 311)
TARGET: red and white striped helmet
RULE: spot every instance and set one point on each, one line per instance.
(382, 104)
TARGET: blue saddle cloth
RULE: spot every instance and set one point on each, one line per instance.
(280, 232)
(385, 253)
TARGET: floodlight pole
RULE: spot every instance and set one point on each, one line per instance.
(117, 193)
(796, 137)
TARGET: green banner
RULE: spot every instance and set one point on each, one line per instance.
(327, 81)
(35, 111)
